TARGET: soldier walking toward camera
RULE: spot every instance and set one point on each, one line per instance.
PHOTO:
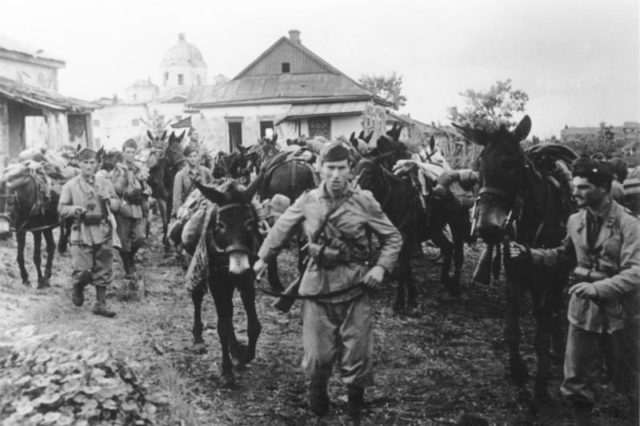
(338, 324)
(134, 206)
(88, 198)
(603, 244)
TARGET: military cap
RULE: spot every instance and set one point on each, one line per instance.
(334, 151)
(188, 150)
(597, 172)
(632, 186)
(130, 143)
(86, 154)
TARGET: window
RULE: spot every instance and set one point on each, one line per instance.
(166, 78)
(96, 123)
(96, 141)
(235, 135)
(266, 129)
(199, 80)
(180, 79)
(135, 122)
(286, 67)
(135, 97)
(320, 126)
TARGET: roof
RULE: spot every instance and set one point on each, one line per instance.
(11, 45)
(42, 98)
(183, 53)
(327, 109)
(282, 88)
(330, 85)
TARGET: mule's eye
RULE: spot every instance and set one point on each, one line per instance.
(221, 228)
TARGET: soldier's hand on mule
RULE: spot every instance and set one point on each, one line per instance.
(260, 267)
(374, 276)
(79, 211)
(518, 251)
(584, 290)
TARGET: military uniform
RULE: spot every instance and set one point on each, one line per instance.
(91, 235)
(338, 327)
(183, 184)
(615, 258)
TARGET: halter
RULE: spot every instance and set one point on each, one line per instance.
(236, 247)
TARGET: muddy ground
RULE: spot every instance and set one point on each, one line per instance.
(447, 361)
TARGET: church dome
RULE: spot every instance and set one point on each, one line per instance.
(183, 54)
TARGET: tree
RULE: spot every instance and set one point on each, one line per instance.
(488, 110)
(388, 88)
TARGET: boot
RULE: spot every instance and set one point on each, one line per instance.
(126, 264)
(355, 401)
(318, 397)
(582, 413)
(100, 307)
(77, 295)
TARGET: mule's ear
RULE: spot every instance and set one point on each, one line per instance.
(210, 193)
(470, 134)
(275, 137)
(432, 143)
(164, 135)
(149, 135)
(352, 137)
(361, 135)
(522, 129)
(368, 138)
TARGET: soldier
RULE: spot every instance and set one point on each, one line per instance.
(338, 325)
(183, 184)
(133, 192)
(603, 244)
(87, 199)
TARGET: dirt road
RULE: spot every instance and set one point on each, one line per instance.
(431, 369)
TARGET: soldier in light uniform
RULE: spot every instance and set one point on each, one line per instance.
(87, 198)
(183, 182)
(133, 192)
(603, 243)
(340, 325)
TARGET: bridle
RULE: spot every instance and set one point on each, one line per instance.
(249, 223)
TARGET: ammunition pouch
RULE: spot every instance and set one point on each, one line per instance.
(324, 256)
(92, 218)
(583, 274)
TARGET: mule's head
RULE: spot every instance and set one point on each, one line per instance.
(233, 231)
(107, 160)
(502, 168)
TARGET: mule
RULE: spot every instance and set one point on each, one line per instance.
(399, 199)
(232, 242)
(28, 211)
(519, 201)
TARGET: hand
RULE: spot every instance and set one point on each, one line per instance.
(260, 267)
(584, 290)
(518, 251)
(374, 276)
(79, 211)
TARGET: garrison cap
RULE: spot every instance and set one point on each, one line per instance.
(86, 154)
(334, 151)
(189, 150)
(130, 143)
(597, 172)
(632, 186)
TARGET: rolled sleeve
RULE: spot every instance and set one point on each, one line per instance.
(65, 203)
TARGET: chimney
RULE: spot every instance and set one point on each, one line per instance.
(294, 36)
(181, 37)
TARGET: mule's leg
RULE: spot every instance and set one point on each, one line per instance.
(20, 238)
(407, 273)
(458, 257)
(63, 241)
(517, 366)
(51, 250)
(446, 249)
(274, 277)
(248, 295)
(37, 255)
(197, 295)
(222, 294)
(164, 216)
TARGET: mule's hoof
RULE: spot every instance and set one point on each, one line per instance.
(239, 352)
(519, 372)
(26, 283)
(199, 348)
(44, 283)
(228, 379)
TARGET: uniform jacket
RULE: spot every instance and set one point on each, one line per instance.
(182, 184)
(131, 188)
(92, 196)
(616, 253)
(358, 215)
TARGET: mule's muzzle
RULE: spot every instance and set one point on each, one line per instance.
(5, 227)
(238, 262)
(490, 225)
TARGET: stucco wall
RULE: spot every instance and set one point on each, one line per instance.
(190, 77)
(4, 134)
(36, 75)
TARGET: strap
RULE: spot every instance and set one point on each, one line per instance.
(325, 221)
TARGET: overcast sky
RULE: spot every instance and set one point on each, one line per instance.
(578, 60)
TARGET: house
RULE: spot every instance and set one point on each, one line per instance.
(32, 112)
(288, 90)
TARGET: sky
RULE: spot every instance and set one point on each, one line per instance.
(578, 60)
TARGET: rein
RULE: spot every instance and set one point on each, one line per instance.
(312, 296)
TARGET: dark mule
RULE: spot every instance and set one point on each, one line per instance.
(167, 160)
(520, 199)
(234, 165)
(232, 241)
(400, 200)
(28, 211)
(289, 176)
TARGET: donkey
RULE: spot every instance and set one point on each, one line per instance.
(518, 200)
(22, 205)
(232, 240)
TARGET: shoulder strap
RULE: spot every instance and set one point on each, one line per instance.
(325, 221)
